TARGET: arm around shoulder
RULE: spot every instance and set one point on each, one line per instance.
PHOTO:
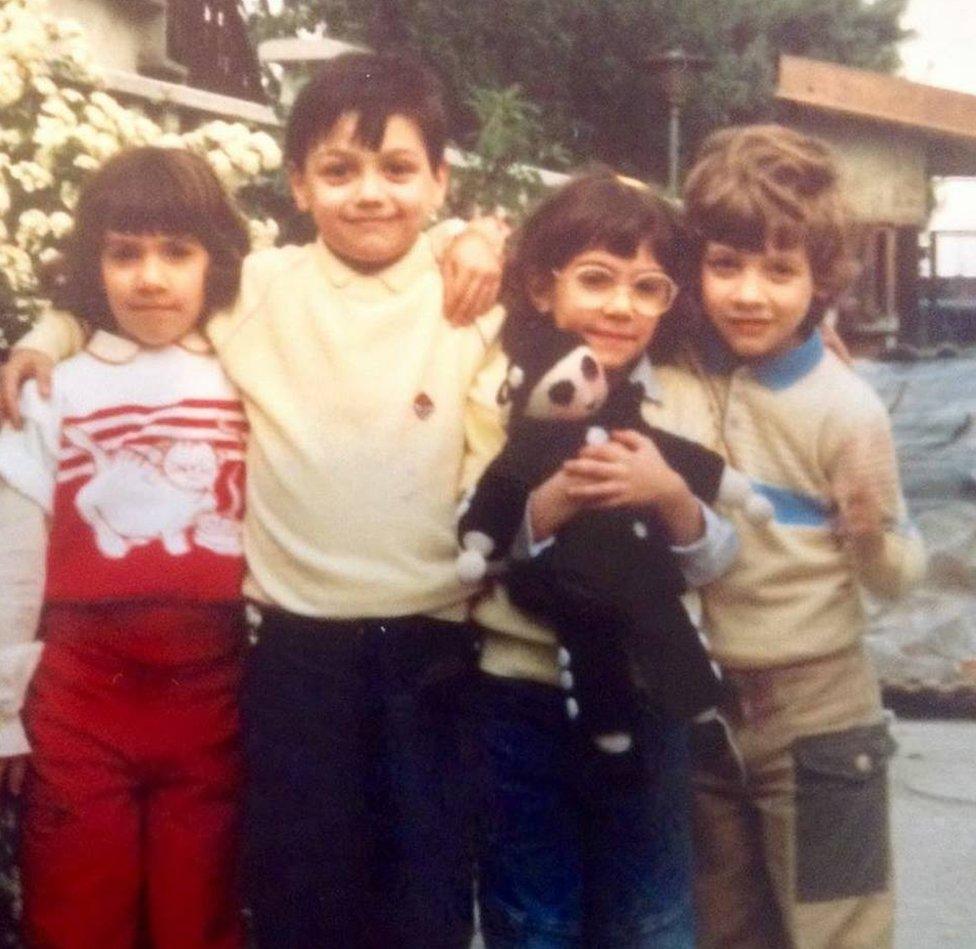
(57, 334)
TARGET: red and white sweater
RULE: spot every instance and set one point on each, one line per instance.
(138, 460)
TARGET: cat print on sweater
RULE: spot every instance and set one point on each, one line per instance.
(146, 492)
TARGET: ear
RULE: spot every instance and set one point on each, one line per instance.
(299, 187)
(540, 289)
(442, 177)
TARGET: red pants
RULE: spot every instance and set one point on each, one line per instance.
(131, 809)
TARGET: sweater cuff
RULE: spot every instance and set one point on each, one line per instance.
(13, 739)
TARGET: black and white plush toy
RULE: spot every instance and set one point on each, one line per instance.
(609, 585)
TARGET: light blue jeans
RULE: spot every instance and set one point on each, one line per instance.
(581, 849)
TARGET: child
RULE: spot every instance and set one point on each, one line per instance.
(131, 479)
(791, 818)
(580, 853)
(367, 411)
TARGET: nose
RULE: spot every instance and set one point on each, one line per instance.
(370, 188)
(151, 274)
(617, 304)
(748, 288)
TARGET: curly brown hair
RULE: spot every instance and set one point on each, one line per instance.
(149, 190)
(757, 185)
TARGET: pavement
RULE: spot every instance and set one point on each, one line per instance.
(933, 785)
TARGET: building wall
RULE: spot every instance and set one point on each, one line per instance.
(885, 172)
(114, 30)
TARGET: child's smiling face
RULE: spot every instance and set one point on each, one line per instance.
(369, 206)
(757, 301)
(155, 284)
(614, 303)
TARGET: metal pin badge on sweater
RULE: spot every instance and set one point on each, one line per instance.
(423, 405)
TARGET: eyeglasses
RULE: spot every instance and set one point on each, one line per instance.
(650, 294)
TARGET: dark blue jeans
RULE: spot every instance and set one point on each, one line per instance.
(358, 798)
(581, 851)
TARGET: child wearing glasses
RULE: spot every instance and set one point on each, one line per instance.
(578, 853)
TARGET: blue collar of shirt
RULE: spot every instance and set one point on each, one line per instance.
(774, 372)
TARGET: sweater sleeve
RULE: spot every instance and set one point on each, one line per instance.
(23, 544)
(484, 425)
(57, 334)
(863, 471)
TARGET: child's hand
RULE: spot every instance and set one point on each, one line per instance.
(553, 504)
(629, 471)
(22, 365)
(472, 269)
(12, 772)
(865, 489)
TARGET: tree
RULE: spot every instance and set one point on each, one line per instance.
(580, 61)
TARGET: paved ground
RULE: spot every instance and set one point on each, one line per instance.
(934, 812)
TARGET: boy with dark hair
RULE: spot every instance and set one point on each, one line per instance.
(368, 412)
(791, 816)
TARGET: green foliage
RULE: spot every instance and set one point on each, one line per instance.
(580, 61)
(493, 173)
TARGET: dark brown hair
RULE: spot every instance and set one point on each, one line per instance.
(150, 190)
(375, 86)
(768, 184)
(597, 209)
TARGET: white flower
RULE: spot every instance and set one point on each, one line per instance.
(16, 265)
(59, 223)
(268, 149)
(249, 163)
(263, 233)
(4, 198)
(220, 164)
(31, 176)
(11, 83)
(45, 86)
(68, 194)
(85, 162)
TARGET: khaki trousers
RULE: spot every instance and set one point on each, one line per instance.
(791, 811)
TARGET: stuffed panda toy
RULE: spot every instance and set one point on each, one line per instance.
(609, 584)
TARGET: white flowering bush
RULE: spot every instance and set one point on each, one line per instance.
(57, 124)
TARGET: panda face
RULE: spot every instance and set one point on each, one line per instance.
(574, 388)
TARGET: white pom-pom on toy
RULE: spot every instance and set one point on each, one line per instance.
(472, 562)
(479, 541)
(471, 566)
(595, 435)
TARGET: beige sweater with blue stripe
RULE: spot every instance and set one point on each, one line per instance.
(813, 437)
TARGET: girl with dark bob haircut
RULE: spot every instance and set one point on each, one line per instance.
(186, 199)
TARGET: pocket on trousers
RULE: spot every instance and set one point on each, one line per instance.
(842, 827)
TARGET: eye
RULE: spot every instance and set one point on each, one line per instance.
(589, 368)
(781, 270)
(400, 168)
(121, 251)
(180, 248)
(591, 278)
(654, 289)
(722, 264)
(335, 171)
(561, 393)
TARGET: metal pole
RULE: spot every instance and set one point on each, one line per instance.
(674, 147)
